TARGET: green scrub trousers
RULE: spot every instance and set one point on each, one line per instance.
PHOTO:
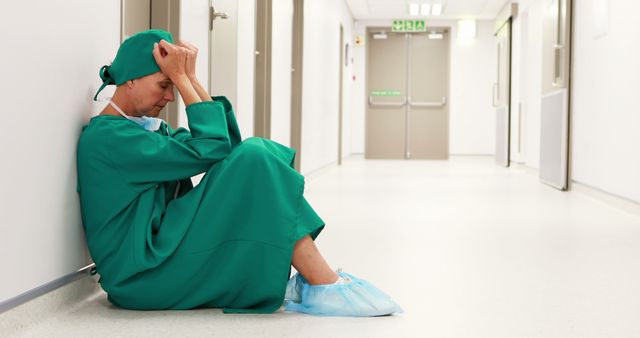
(160, 243)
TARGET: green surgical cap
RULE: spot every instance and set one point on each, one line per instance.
(134, 59)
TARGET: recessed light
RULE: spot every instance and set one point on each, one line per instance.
(436, 9)
(414, 9)
(466, 29)
(424, 9)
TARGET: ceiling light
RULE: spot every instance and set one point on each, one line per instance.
(466, 29)
(414, 9)
(436, 9)
(424, 9)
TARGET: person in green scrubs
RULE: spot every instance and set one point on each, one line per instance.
(157, 241)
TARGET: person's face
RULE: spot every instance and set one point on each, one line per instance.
(151, 93)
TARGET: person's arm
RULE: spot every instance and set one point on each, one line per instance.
(187, 91)
(190, 70)
(232, 124)
(172, 61)
(202, 93)
(144, 158)
(235, 137)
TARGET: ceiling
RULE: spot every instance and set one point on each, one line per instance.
(399, 9)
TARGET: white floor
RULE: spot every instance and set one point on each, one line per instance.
(467, 248)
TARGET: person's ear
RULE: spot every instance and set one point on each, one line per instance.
(130, 83)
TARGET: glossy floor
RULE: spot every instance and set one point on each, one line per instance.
(467, 248)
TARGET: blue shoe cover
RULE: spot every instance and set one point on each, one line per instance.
(294, 288)
(353, 298)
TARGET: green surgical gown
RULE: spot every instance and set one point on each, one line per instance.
(160, 243)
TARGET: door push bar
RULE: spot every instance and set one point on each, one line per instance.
(428, 104)
(408, 101)
(387, 104)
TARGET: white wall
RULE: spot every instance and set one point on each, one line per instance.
(49, 78)
(282, 29)
(605, 122)
(473, 71)
(348, 89)
(320, 96)
(246, 67)
(358, 103)
(605, 117)
(194, 28)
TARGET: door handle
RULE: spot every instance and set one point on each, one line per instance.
(428, 104)
(386, 104)
(557, 48)
(214, 15)
(221, 15)
(557, 58)
(493, 98)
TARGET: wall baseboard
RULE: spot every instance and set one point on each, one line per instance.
(470, 155)
(528, 169)
(36, 305)
(313, 173)
(621, 203)
(612, 200)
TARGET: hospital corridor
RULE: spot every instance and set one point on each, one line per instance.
(320, 168)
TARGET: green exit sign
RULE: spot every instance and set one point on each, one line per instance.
(409, 26)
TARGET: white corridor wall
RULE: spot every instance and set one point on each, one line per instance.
(49, 80)
(281, 31)
(49, 77)
(321, 76)
(605, 114)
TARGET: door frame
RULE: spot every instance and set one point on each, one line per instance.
(165, 14)
(262, 75)
(509, 23)
(297, 48)
(340, 98)
(505, 17)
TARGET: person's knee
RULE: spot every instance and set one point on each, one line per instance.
(251, 149)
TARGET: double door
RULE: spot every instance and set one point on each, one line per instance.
(407, 92)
